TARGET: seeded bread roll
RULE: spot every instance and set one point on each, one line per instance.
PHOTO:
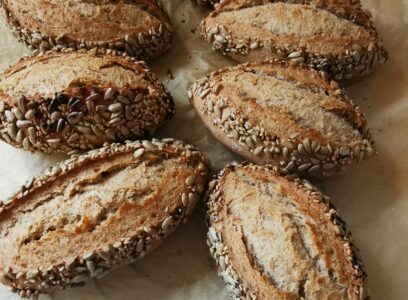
(88, 214)
(335, 36)
(278, 237)
(141, 28)
(283, 114)
(65, 102)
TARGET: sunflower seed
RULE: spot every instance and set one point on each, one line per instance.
(93, 97)
(140, 245)
(258, 150)
(314, 169)
(10, 117)
(184, 199)
(304, 167)
(116, 107)
(29, 114)
(131, 40)
(11, 130)
(306, 143)
(109, 94)
(138, 97)
(90, 106)
(115, 120)
(32, 274)
(148, 145)
(74, 137)
(18, 113)
(60, 125)
(55, 116)
(167, 223)
(123, 99)
(90, 266)
(26, 144)
(139, 152)
(117, 245)
(191, 197)
(190, 179)
(22, 104)
(295, 54)
(84, 129)
(74, 117)
(32, 134)
(2, 106)
(88, 256)
(23, 124)
(53, 105)
(97, 131)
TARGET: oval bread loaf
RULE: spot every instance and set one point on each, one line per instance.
(335, 36)
(280, 113)
(140, 28)
(70, 101)
(277, 237)
(91, 213)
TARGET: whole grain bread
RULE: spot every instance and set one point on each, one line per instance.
(89, 214)
(141, 28)
(280, 113)
(70, 101)
(277, 237)
(336, 36)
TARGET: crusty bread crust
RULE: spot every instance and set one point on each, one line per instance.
(247, 207)
(141, 28)
(317, 132)
(71, 101)
(335, 36)
(88, 214)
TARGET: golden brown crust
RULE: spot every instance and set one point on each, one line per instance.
(141, 28)
(117, 202)
(237, 240)
(335, 36)
(70, 101)
(279, 113)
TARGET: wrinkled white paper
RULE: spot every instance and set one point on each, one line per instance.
(372, 197)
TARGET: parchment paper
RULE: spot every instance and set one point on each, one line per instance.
(372, 197)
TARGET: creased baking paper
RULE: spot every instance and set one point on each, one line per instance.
(372, 197)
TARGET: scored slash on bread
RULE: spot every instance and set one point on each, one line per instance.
(90, 213)
(279, 113)
(275, 236)
(141, 28)
(335, 36)
(67, 101)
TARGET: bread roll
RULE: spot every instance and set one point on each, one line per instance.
(335, 36)
(141, 28)
(70, 102)
(277, 237)
(279, 113)
(91, 213)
